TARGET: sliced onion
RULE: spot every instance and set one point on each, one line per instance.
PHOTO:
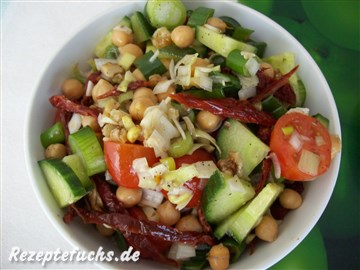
(213, 28)
(179, 251)
(202, 134)
(74, 123)
(245, 93)
(162, 86)
(172, 69)
(247, 55)
(205, 168)
(209, 148)
(276, 164)
(189, 125)
(252, 66)
(299, 110)
(309, 162)
(153, 58)
(296, 141)
(89, 87)
(151, 198)
(319, 140)
(99, 62)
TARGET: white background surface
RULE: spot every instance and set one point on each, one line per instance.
(31, 33)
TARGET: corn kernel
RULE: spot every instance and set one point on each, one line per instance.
(133, 134)
(127, 122)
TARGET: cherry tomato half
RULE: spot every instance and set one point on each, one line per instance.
(307, 127)
(196, 185)
(119, 158)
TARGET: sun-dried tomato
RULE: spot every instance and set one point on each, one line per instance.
(61, 102)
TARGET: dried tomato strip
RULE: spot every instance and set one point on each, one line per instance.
(61, 102)
(125, 223)
(148, 250)
(205, 225)
(108, 197)
(274, 86)
(265, 172)
(241, 110)
(111, 93)
(137, 84)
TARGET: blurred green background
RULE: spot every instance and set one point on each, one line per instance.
(330, 31)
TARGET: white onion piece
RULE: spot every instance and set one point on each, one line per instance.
(213, 28)
(189, 125)
(151, 198)
(309, 162)
(296, 141)
(276, 164)
(252, 66)
(179, 251)
(89, 88)
(319, 140)
(305, 111)
(162, 86)
(99, 62)
(74, 123)
(153, 58)
(245, 93)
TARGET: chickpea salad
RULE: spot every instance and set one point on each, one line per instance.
(182, 140)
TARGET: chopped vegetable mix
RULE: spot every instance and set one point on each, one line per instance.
(181, 140)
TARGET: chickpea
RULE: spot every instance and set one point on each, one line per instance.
(161, 38)
(129, 196)
(290, 199)
(217, 23)
(104, 230)
(168, 214)
(72, 89)
(189, 223)
(91, 122)
(183, 36)
(219, 257)
(138, 107)
(267, 229)
(100, 88)
(207, 121)
(56, 150)
(120, 38)
(132, 49)
(267, 69)
(145, 92)
(162, 96)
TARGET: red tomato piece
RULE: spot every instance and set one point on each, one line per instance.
(307, 127)
(196, 185)
(119, 158)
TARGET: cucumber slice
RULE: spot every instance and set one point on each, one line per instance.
(221, 43)
(165, 13)
(85, 143)
(142, 29)
(286, 62)
(223, 195)
(75, 163)
(62, 181)
(247, 217)
(235, 137)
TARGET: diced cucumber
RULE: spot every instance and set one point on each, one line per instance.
(85, 143)
(125, 22)
(75, 163)
(235, 137)
(223, 195)
(62, 181)
(200, 16)
(274, 106)
(248, 216)
(141, 28)
(221, 43)
(102, 45)
(111, 52)
(167, 14)
(286, 62)
(148, 67)
(54, 134)
(322, 119)
(174, 52)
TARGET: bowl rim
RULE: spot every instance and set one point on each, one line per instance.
(127, 4)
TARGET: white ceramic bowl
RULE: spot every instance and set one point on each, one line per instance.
(78, 49)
